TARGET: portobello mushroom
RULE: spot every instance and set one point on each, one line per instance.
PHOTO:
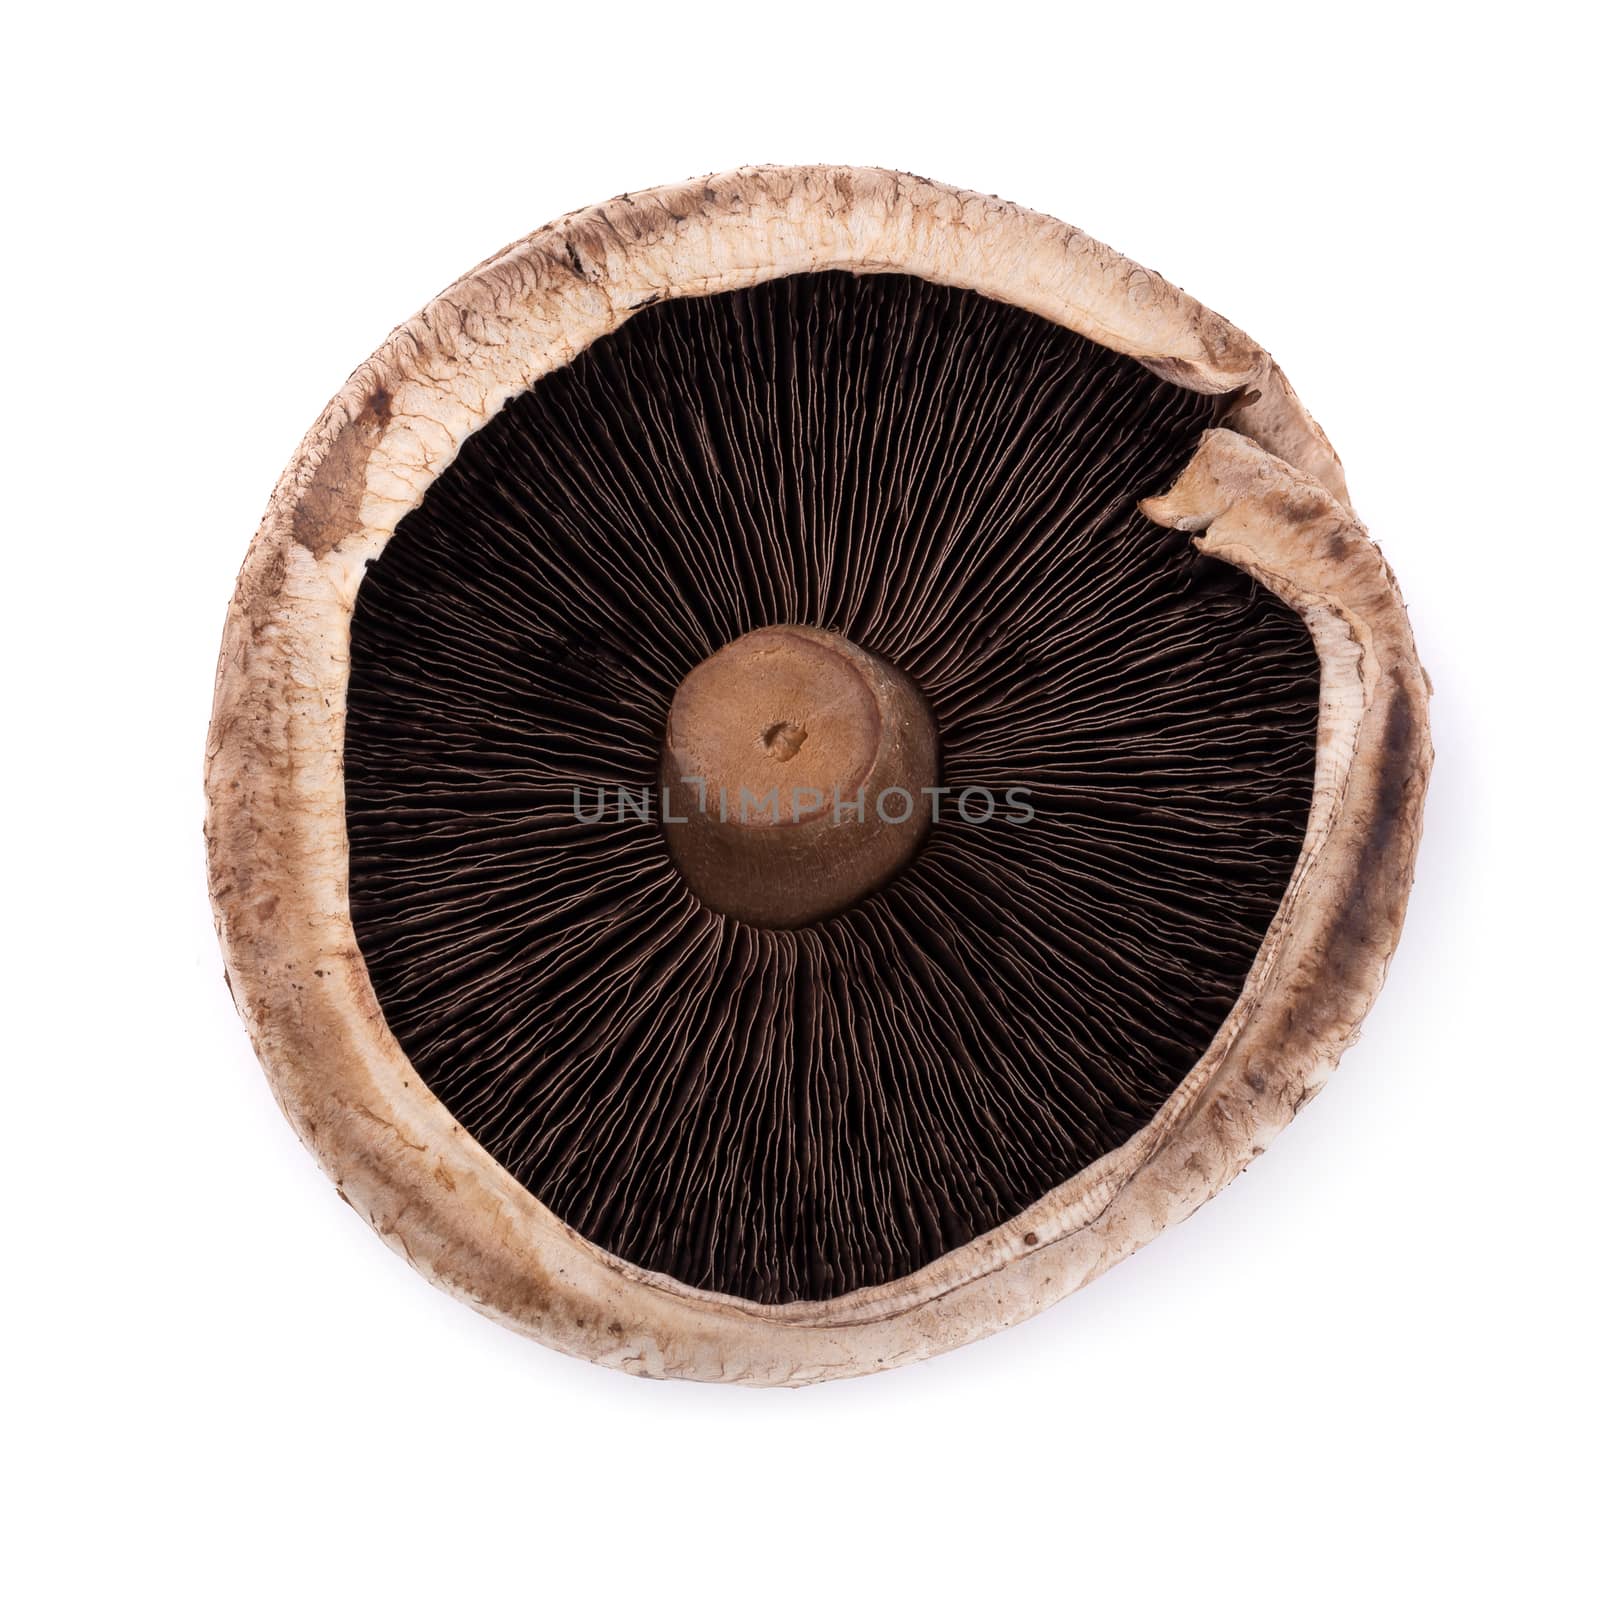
(801, 763)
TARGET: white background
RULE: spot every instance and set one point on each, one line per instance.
(1363, 1370)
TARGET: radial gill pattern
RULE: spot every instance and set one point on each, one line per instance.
(951, 483)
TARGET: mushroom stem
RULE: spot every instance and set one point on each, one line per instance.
(795, 775)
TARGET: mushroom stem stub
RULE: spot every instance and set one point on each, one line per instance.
(796, 774)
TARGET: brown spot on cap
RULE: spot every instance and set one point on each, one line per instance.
(330, 509)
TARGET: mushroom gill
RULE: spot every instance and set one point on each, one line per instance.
(808, 1073)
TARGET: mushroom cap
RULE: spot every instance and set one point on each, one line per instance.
(1264, 492)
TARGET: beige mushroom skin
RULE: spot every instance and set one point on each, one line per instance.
(1266, 493)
